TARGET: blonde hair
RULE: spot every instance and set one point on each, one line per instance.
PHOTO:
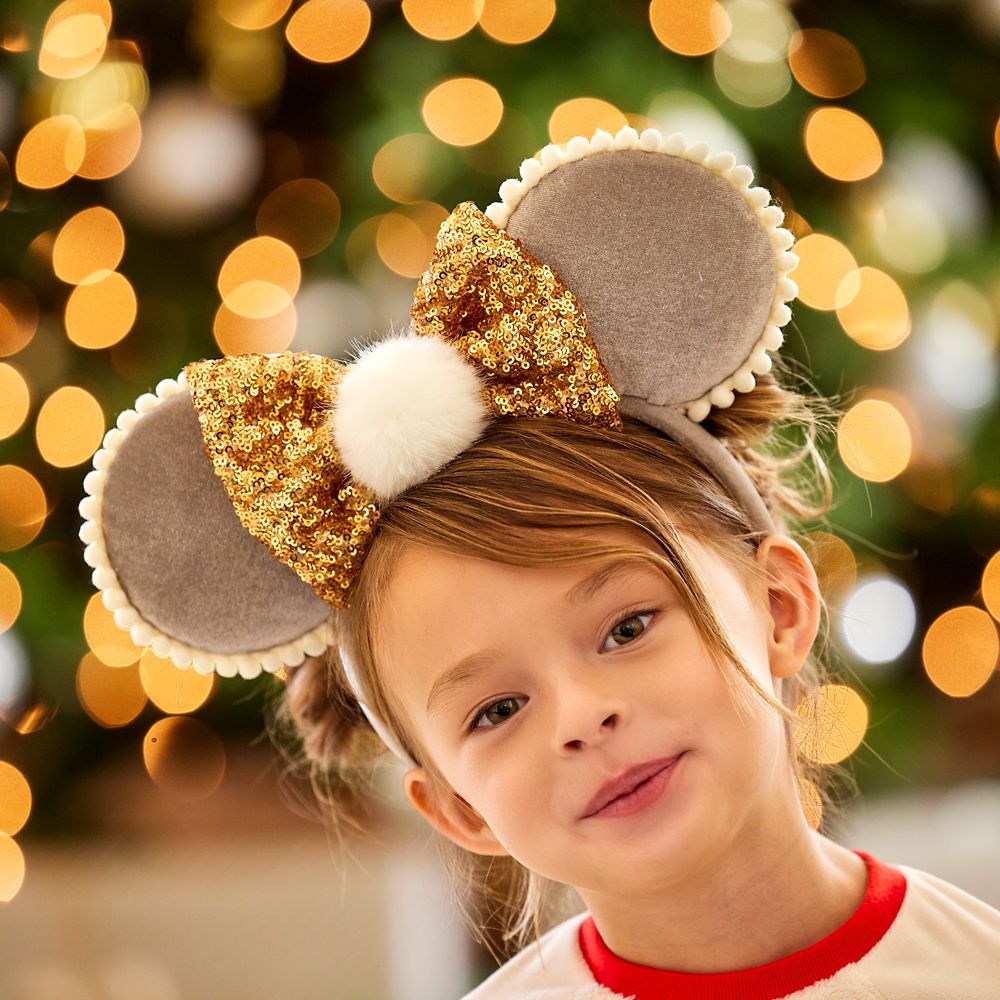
(505, 499)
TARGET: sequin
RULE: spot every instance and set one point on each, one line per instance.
(520, 327)
(265, 424)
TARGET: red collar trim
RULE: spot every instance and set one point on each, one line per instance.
(849, 942)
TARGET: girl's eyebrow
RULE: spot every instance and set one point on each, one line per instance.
(468, 667)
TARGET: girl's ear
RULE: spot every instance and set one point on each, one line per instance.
(793, 603)
(450, 814)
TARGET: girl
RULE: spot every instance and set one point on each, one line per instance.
(559, 551)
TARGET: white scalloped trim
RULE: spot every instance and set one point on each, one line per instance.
(127, 618)
(740, 176)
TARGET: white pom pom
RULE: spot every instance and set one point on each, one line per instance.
(405, 409)
(771, 215)
(531, 171)
(90, 532)
(498, 213)
(577, 148)
(743, 380)
(552, 157)
(650, 139)
(699, 410)
(511, 192)
(625, 138)
(741, 175)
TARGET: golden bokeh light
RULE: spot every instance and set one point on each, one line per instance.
(75, 38)
(184, 757)
(259, 278)
(100, 313)
(22, 507)
(462, 111)
(811, 802)
(11, 868)
(15, 799)
(51, 152)
(834, 561)
(119, 79)
(405, 238)
(832, 725)
(237, 334)
(113, 139)
(823, 264)
(841, 144)
(928, 481)
(960, 651)
(18, 316)
(359, 249)
(88, 246)
(69, 427)
(875, 313)
(689, 27)
(327, 31)
(749, 82)
(443, 20)
(15, 399)
(514, 22)
(252, 15)
(824, 63)
(304, 213)
(583, 116)
(874, 440)
(112, 696)
(405, 168)
(247, 70)
(109, 643)
(10, 598)
(34, 718)
(172, 689)
(991, 586)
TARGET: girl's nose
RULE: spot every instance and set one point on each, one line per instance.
(596, 735)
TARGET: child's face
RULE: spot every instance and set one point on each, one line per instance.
(569, 690)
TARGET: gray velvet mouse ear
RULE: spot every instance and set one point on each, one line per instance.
(172, 559)
(680, 265)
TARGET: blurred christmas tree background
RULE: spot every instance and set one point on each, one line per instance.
(182, 180)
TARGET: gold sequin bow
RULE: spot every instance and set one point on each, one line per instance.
(265, 419)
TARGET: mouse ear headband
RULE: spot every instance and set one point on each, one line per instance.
(229, 512)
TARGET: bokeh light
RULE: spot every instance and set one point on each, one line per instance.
(88, 246)
(442, 20)
(259, 278)
(834, 561)
(516, 21)
(184, 757)
(22, 507)
(304, 213)
(15, 799)
(825, 63)
(236, 334)
(75, 38)
(462, 111)
(172, 689)
(101, 312)
(689, 27)
(409, 167)
(109, 643)
(51, 152)
(405, 237)
(69, 427)
(832, 724)
(960, 651)
(991, 586)
(112, 696)
(252, 15)
(878, 619)
(247, 70)
(10, 601)
(113, 139)
(824, 263)
(11, 868)
(327, 31)
(752, 84)
(583, 116)
(874, 440)
(841, 144)
(15, 399)
(874, 313)
(18, 316)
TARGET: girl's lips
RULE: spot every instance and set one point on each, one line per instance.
(639, 787)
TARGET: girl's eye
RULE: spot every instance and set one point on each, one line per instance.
(496, 713)
(628, 629)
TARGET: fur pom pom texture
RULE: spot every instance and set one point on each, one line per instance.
(404, 409)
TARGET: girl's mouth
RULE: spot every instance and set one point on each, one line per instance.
(637, 797)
